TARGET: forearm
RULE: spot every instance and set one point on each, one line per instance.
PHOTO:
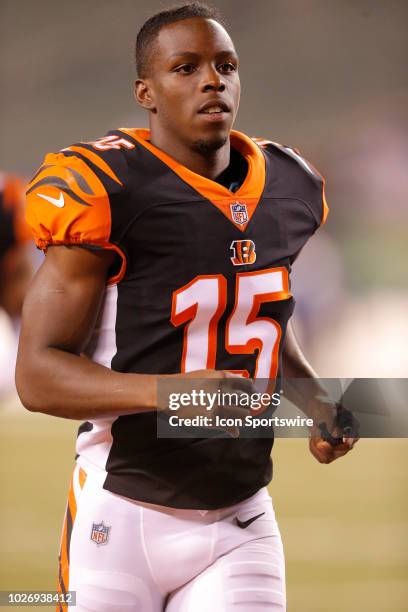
(62, 384)
(301, 382)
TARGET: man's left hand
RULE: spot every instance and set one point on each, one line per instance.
(335, 432)
(325, 452)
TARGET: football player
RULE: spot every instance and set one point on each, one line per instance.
(168, 253)
(16, 270)
(15, 265)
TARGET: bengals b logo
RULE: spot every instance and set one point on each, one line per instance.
(243, 252)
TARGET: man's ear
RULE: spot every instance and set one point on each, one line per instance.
(143, 95)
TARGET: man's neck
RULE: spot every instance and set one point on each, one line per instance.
(209, 164)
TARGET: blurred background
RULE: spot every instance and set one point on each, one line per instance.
(330, 78)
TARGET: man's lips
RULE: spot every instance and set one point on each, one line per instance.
(212, 107)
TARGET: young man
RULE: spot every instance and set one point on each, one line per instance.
(16, 271)
(168, 252)
(15, 266)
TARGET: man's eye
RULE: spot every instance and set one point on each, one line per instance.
(185, 69)
(227, 67)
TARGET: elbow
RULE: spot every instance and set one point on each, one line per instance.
(35, 388)
(27, 398)
(28, 402)
(26, 388)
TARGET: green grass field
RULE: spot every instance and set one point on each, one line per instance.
(344, 525)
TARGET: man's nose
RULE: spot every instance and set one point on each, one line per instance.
(212, 80)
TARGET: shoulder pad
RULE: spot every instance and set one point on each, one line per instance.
(320, 206)
(69, 200)
(292, 152)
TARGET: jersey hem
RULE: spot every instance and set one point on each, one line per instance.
(114, 485)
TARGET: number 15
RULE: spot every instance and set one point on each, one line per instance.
(200, 304)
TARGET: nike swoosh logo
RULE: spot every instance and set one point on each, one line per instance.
(58, 202)
(245, 524)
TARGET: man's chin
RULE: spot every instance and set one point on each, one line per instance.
(209, 145)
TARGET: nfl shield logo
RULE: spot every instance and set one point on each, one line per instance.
(100, 533)
(239, 213)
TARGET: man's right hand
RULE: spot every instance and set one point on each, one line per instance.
(212, 382)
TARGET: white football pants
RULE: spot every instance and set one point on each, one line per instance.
(120, 555)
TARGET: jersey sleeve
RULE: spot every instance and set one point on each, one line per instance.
(70, 198)
(307, 182)
(317, 190)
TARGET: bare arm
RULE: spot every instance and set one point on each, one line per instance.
(295, 365)
(310, 399)
(59, 314)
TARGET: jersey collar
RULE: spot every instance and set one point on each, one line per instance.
(247, 196)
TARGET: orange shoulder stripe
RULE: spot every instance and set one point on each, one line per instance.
(66, 202)
(95, 159)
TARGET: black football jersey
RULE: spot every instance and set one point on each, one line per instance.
(202, 282)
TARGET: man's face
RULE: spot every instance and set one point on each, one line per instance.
(194, 83)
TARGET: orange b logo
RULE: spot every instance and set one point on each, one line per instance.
(243, 252)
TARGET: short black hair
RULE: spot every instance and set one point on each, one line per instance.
(151, 28)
